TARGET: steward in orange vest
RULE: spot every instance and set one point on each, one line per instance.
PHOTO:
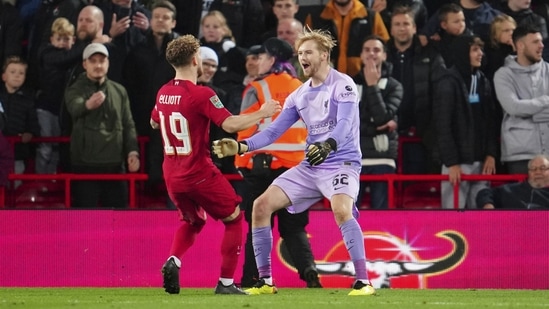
(276, 84)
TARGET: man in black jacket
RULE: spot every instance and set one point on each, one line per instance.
(380, 98)
(414, 67)
(532, 193)
(145, 71)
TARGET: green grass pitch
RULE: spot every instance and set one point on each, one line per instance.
(155, 298)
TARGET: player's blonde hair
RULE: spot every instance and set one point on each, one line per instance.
(323, 39)
(62, 27)
(180, 51)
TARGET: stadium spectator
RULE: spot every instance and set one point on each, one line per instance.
(145, 71)
(89, 29)
(232, 64)
(281, 9)
(288, 29)
(328, 105)
(500, 45)
(55, 58)
(478, 16)
(380, 97)
(19, 110)
(452, 24)
(522, 13)
(418, 8)
(11, 31)
(103, 139)
(349, 21)
(252, 64)
(40, 30)
(464, 123)
(414, 66)
(126, 22)
(183, 112)
(533, 193)
(209, 68)
(246, 19)
(522, 88)
(260, 168)
(6, 151)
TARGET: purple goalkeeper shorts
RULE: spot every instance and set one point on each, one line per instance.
(305, 185)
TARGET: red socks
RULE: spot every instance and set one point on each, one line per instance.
(230, 246)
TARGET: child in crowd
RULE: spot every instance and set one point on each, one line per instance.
(501, 43)
(55, 60)
(452, 24)
(18, 106)
(232, 62)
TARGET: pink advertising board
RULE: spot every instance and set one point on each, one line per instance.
(405, 249)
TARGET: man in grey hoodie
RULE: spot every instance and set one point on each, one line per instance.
(522, 88)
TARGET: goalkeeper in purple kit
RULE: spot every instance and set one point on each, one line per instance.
(328, 104)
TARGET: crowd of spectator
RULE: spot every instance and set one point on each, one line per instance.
(468, 77)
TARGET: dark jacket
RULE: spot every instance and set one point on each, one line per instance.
(480, 25)
(444, 46)
(6, 160)
(425, 63)
(103, 136)
(145, 71)
(231, 68)
(40, 31)
(528, 17)
(378, 105)
(456, 129)
(21, 118)
(126, 41)
(55, 65)
(514, 196)
(245, 18)
(11, 31)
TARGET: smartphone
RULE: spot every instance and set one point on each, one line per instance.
(124, 12)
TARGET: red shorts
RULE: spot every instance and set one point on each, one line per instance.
(212, 195)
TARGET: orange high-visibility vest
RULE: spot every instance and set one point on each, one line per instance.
(289, 149)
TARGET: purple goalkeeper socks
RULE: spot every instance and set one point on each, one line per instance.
(262, 240)
(354, 242)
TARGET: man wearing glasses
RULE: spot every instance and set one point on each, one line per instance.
(533, 193)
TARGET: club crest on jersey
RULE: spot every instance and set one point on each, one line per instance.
(216, 101)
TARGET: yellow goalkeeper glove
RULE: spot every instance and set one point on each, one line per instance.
(227, 147)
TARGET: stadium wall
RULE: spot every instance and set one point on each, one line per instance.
(405, 249)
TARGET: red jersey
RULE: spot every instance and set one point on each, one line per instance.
(184, 111)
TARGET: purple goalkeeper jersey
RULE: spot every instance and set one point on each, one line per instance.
(329, 110)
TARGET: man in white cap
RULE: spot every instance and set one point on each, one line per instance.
(103, 139)
(210, 63)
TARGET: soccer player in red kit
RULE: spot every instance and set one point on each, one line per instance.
(183, 112)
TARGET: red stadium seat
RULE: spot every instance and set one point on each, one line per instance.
(40, 194)
(421, 195)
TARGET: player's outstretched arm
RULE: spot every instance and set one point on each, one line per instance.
(227, 147)
(235, 123)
